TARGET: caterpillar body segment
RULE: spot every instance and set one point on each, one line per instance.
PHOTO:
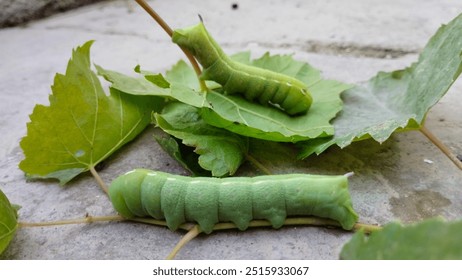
(256, 84)
(208, 201)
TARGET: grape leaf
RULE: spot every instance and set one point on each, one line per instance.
(182, 73)
(134, 86)
(432, 239)
(238, 115)
(397, 100)
(183, 154)
(8, 222)
(82, 126)
(263, 122)
(220, 151)
(155, 85)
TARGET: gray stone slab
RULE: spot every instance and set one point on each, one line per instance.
(347, 40)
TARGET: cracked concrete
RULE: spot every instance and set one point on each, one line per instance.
(348, 40)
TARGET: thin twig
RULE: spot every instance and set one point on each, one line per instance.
(257, 164)
(296, 221)
(155, 16)
(192, 233)
(150, 221)
(98, 179)
(313, 221)
(195, 230)
(86, 220)
(169, 31)
(366, 228)
(301, 221)
(441, 146)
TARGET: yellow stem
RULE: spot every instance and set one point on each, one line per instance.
(192, 233)
(366, 228)
(155, 16)
(86, 220)
(98, 179)
(169, 31)
(441, 146)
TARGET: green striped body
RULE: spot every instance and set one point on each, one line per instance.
(254, 83)
(207, 201)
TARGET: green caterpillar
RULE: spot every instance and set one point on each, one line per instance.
(254, 83)
(207, 201)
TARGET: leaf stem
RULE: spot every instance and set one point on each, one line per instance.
(366, 228)
(86, 220)
(441, 146)
(155, 16)
(192, 233)
(98, 179)
(257, 164)
(169, 31)
(194, 230)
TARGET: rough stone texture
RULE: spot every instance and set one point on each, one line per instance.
(348, 40)
(14, 12)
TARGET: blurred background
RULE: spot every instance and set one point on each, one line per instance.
(16, 12)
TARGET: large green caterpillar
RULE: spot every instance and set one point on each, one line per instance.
(254, 83)
(207, 201)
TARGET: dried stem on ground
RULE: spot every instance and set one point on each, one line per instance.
(437, 142)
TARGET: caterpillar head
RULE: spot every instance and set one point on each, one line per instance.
(190, 38)
(198, 41)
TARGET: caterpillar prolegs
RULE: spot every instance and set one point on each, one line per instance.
(208, 201)
(254, 83)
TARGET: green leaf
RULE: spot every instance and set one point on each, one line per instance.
(285, 64)
(220, 151)
(183, 74)
(8, 222)
(155, 78)
(242, 57)
(82, 126)
(238, 115)
(432, 239)
(154, 85)
(131, 85)
(183, 154)
(398, 100)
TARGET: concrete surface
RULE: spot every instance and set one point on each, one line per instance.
(348, 40)
(14, 12)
